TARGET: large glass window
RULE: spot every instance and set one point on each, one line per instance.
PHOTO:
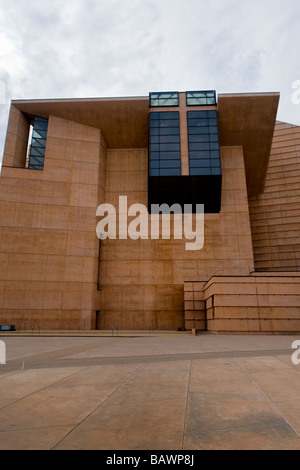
(201, 98)
(164, 99)
(38, 144)
(203, 138)
(164, 144)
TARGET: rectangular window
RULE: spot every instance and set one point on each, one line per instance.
(203, 140)
(38, 144)
(164, 144)
(201, 98)
(164, 99)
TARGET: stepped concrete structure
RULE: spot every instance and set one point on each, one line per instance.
(63, 158)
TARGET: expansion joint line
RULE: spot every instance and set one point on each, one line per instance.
(186, 405)
(269, 400)
(100, 404)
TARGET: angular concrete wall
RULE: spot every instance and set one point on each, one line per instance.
(54, 272)
(255, 304)
(142, 281)
(275, 214)
(16, 139)
(52, 275)
(49, 248)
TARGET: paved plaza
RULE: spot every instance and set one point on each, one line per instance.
(149, 392)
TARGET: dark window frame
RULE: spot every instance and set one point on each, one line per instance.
(38, 144)
(161, 99)
(205, 98)
(203, 143)
(164, 144)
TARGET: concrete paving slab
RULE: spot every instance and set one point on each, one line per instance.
(267, 363)
(136, 426)
(154, 382)
(25, 382)
(235, 422)
(287, 360)
(4, 403)
(290, 409)
(20, 346)
(219, 377)
(226, 411)
(279, 386)
(32, 439)
(164, 392)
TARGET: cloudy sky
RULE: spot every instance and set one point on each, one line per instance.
(98, 48)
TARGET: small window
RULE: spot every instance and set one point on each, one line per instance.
(164, 99)
(201, 98)
(200, 163)
(200, 171)
(169, 172)
(37, 147)
(169, 164)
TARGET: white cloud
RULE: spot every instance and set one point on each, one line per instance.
(81, 48)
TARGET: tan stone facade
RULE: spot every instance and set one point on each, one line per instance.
(147, 276)
(275, 214)
(55, 273)
(49, 250)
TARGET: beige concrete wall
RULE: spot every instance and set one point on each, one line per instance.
(49, 248)
(194, 306)
(142, 281)
(275, 214)
(253, 304)
(52, 275)
(16, 139)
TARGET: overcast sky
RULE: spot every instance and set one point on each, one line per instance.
(99, 48)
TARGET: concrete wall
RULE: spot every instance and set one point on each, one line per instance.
(142, 281)
(254, 304)
(16, 139)
(50, 262)
(275, 214)
(54, 273)
(49, 248)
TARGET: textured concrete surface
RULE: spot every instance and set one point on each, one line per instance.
(156, 392)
